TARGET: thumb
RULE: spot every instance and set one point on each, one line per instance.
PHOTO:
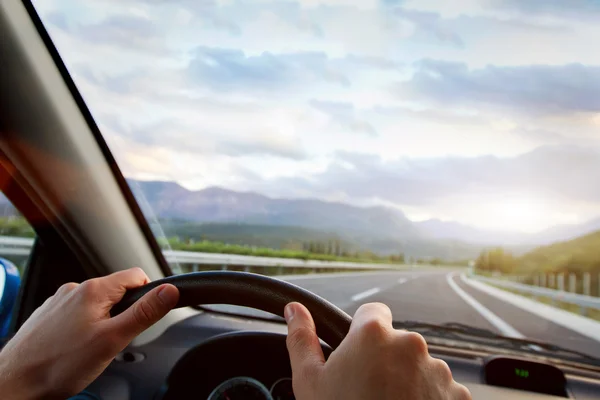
(306, 355)
(145, 312)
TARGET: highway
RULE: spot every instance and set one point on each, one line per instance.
(432, 295)
(440, 296)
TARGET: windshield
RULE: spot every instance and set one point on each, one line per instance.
(440, 157)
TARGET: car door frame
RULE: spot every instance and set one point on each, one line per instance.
(59, 158)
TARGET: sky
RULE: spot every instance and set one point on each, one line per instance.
(485, 112)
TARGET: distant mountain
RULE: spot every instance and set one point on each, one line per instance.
(379, 229)
(217, 205)
(437, 229)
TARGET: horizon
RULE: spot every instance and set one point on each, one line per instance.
(485, 113)
(362, 206)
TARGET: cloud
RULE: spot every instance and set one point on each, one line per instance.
(558, 8)
(344, 114)
(430, 22)
(184, 138)
(374, 62)
(127, 31)
(268, 144)
(539, 89)
(121, 84)
(559, 172)
(57, 19)
(232, 69)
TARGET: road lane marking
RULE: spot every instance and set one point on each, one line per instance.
(365, 294)
(492, 318)
(402, 280)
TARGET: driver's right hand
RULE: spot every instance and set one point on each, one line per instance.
(374, 361)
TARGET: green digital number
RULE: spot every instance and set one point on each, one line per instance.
(521, 373)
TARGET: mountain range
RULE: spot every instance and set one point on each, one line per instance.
(169, 200)
(220, 212)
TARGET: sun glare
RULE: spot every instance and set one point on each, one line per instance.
(519, 213)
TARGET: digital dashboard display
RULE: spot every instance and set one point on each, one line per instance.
(525, 375)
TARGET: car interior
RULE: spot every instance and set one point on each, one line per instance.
(56, 168)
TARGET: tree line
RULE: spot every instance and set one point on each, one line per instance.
(335, 247)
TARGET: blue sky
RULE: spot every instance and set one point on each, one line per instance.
(481, 111)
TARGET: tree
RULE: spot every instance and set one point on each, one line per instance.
(496, 260)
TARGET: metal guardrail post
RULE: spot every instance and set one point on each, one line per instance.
(587, 283)
(561, 282)
(572, 283)
(543, 279)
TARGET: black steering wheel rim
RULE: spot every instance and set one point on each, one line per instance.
(249, 290)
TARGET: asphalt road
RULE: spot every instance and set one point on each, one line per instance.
(433, 296)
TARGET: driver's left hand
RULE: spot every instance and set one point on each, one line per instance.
(71, 338)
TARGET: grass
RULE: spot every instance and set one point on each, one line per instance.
(223, 248)
(591, 313)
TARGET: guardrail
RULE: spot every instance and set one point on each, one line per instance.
(15, 246)
(195, 260)
(583, 301)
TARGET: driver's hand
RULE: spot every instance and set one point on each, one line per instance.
(374, 361)
(71, 338)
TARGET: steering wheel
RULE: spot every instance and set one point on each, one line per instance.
(249, 290)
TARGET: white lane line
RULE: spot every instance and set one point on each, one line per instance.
(371, 292)
(492, 318)
(366, 293)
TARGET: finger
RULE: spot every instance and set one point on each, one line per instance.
(115, 285)
(145, 312)
(306, 355)
(129, 278)
(460, 392)
(372, 314)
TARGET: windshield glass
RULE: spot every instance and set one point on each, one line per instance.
(440, 157)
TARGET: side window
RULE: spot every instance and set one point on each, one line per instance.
(16, 243)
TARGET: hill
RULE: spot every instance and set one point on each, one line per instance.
(573, 256)
(577, 255)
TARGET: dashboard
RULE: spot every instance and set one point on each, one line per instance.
(262, 373)
(216, 356)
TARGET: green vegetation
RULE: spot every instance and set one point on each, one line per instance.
(314, 251)
(577, 256)
(15, 226)
(496, 259)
